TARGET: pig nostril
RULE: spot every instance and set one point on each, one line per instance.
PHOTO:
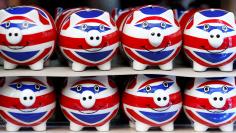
(31, 98)
(158, 99)
(212, 36)
(97, 38)
(90, 97)
(215, 98)
(84, 98)
(10, 34)
(218, 36)
(91, 38)
(158, 34)
(25, 98)
(16, 34)
(153, 34)
(164, 98)
(221, 98)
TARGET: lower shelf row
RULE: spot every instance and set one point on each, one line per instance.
(147, 100)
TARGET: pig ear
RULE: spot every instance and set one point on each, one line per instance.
(74, 18)
(169, 15)
(198, 18)
(229, 18)
(33, 15)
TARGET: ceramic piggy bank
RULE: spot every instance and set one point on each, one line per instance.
(90, 102)
(88, 37)
(151, 36)
(210, 40)
(152, 101)
(27, 37)
(26, 102)
(211, 103)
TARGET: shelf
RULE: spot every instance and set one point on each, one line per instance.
(67, 72)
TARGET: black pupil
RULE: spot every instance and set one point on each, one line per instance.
(163, 24)
(148, 88)
(206, 89)
(165, 84)
(225, 88)
(101, 27)
(96, 88)
(18, 85)
(37, 86)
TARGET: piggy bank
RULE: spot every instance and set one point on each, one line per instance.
(152, 101)
(26, 102)
(151, 36)
(90, 102)
(210, 103)
(210, 40)
(88, 37)
(27, 37)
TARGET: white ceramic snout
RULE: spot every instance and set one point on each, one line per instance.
(27, 98)
(155, 37)
(87, 99)
(161, 98)
(14, 35)
(93, 38)
(217, 100)
(216, 38)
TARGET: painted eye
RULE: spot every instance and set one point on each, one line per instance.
(206, 89)
(145, 24)
(96, 88)
(84, 27)
(148, 88)
(163, 25)
(165, 84)
(18, 85)
(224, 28)
(102, 27)
(206, 27)
(37, 87)
(8, 24)
(79, 88)
(225, 88)
(25, 24)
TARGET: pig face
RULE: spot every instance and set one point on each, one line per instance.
(209, 37)
(27, 101)
(151, 35)
(89, 36)
(27, 34)
(211, 101)
(90, 101)
(153, 100)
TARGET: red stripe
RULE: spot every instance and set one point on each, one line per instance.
(153, 81)
(203, 103)
(144, 61)
(145, 102)
(87, 81)
(80, 43)
(32, 39)
(214, 82)
(44, 100)
(139, 43)
(25, 79)
(18, 18)
(68, 115)
(5, 116)
(30, 62)
(215, 21)
(154, 18)
(93, 21)
(102, 103)
(215, 125)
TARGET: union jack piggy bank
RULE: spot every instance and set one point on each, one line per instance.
(211, 103)
(88, 37)
(210, 40)
(151, 36)
(152, 101)
(27, 37)
(26, 102)
(90, 102)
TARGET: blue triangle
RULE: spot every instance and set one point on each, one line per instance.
(20, 56)
(216, 117)
(155, 56)
(91, 118)
(159, 116)
(27, 117)
(213, 57)
(96, 56)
